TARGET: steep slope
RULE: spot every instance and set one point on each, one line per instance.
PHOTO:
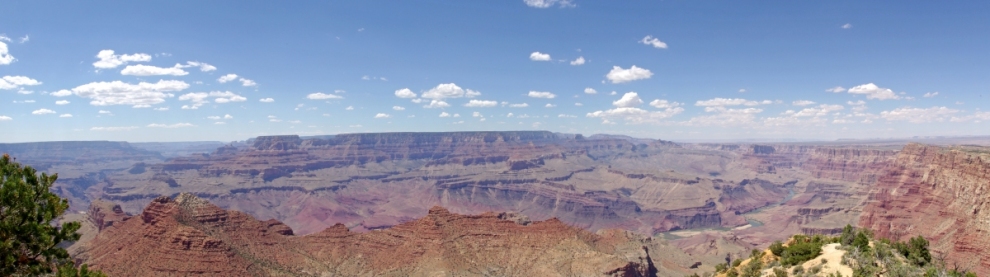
(942, 193)
(190, 236)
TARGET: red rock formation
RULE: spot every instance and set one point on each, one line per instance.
(104, 214)
(189, 236)
(847, 164)
(940, 193)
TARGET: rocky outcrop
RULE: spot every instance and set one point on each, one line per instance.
(941, 193)
(189, 236)
(104, 214)
(848, 164)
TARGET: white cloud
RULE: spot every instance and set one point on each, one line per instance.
(566, 116)
(630, 99)
(457, 115)
(442, 91)
(227, 78)
(62, 102)
(247, 82)
(5, 57)
(542, 94)
(67, 115)
(349, 108)
(590, 91)
(109, 60)
(436, 104)
(170, 126)
(542, 4)
(382, 115)
(476, 114)
(718, 102)
(664, 104)
(161, 109)
(540, 57)
(198, 99)
(119, 93)
(550, 105)
(802, 103)
(742, 90)
(5, 118)
(213, 117)
(481, 103)
(872, 91)
(266, 100)
(148, 70)
(42, 112)
(578, 61)
(204, 67)
(398, 108)
(976, 117)
(655, 42)
(111, 129)
(930, 94)
(578, 104)
(62, 93)
(847, 26)
(405, 93)
(618, 75)
(25, 101)
(472, 93)
(918, 115)
(635, 115)
(227, 116)
(523, 105)
(444, 114)
(104, 112)
(13, 82)
(323, 96)
(725, 117)
(836, 89)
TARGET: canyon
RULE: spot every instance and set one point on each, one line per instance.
(702, 201)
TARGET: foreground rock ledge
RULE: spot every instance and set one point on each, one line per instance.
(190, 236)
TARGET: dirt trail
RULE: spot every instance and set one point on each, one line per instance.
(833, 258)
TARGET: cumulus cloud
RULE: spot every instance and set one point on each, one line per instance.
(919, 115)
(198, 99)
(481, 103)
(471, 93)
(550, 105)
(872, 91)
(444, 114)
(725, 117)
(148, 70)
(523, 105)
(655, 42)
(382, 115)
(542, 94)
(323, 96)
(975, 117)
(204, 67)
(836, 89)
(405, 93)
(543, 4)
(266, 100)
(664, 104)
(170, 126)
(718, 102)
(42, 112)
(247, 82)
(139, 95)
(5, 57)
(802, 103)
(109, 60)
(349, 108)
(630, 99)
(104, 112)
(847, 26)
(441, 91)
(5, 118)
(62, 93)
(227, 78)
(62, 102)
(436, 104)
(398, 108)
(578, 61)
(618, 75)
(930, 94)
(590, 91)
(540, 57)
(67, 115)
(14, 82)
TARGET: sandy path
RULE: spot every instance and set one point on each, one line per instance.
(833, 256)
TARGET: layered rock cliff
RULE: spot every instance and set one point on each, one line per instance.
(942, 193)
(189, 236)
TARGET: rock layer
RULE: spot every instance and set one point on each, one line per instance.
(189, 236)
(941, 193)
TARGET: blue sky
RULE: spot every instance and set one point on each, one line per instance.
(679, 70)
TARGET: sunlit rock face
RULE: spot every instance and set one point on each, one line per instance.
(942, 193)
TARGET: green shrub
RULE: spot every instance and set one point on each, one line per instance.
(736, 262)
(779, 272)
(801, 251)
(777, 248)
